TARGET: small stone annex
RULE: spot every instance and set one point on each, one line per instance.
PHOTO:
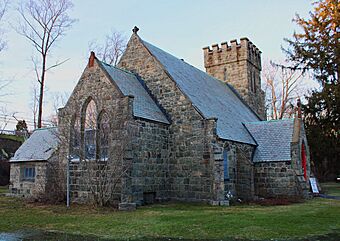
(29, 167)
(155, 128)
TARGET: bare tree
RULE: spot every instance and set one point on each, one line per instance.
(34, 103)
(3, 9)
(6, 118)
(104, 175)
(111, 49)
(3, 85)
(281, 89)
(59, 100)
(43, 23)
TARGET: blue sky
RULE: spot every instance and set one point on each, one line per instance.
(181, 27)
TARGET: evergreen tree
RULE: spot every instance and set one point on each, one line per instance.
(317, 49)
(322, 119)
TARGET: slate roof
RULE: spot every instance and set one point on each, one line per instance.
(212, 97)
(273, 139)
(38, 147)
(128, 83)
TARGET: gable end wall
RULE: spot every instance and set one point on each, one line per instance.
(190, 157)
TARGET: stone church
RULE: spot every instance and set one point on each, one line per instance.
(174, 132)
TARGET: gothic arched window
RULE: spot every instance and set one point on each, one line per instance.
(103, 136)
(75, 138)
(89, 130)
(225, 165)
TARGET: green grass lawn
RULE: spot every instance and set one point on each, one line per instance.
(12, 137)
(331, 188)
(191, 221)
(3, 189)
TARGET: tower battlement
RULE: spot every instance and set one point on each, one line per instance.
(239, 64)
(232, 52)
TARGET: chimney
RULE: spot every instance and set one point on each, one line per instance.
(91, 59)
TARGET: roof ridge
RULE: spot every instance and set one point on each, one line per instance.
(268, 121)
(115, 67)
(45, 128)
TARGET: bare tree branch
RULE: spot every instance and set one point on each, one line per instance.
(34, 103)
(281, 89)
(3, 9)
(59, 100)
(3, 85)
(6, 117)
(112, 48)
(57, 64)
(43, 23)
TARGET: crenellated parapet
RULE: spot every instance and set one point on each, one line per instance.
(238, 63)
(232, 52)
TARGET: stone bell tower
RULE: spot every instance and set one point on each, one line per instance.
(238, 64)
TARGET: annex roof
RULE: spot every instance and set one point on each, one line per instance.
(212, 97)
(273, 138)
(38, 147)
(143, 105)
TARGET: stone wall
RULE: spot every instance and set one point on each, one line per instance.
(190, 157)
(94, 84)
(286, 178)
(275, 179)
(240, 66)
(24, 188)
(150, 170)
(299, 138)
(244, 172)
(240, 169)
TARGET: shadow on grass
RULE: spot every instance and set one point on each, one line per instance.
(28, 235)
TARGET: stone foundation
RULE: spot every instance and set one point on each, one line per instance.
(275, 179)
(127, 206)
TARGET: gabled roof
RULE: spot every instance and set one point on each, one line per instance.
(38, 147)
(128, 83)
(212, 97)
(273, 138)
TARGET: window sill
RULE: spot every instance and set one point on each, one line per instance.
(75, 160)
(27, 180)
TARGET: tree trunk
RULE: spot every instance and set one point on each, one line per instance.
(41, 94)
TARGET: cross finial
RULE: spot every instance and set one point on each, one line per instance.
(135, 29)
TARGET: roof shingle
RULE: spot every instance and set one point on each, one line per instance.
(212, 97)
(38, 147)
(143, 105)
(273, 138)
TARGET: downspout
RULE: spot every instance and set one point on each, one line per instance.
(68, 181)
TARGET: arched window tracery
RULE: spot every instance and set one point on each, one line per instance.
(89, 130)
(103, 136)
(89, 133)
(75, 137)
